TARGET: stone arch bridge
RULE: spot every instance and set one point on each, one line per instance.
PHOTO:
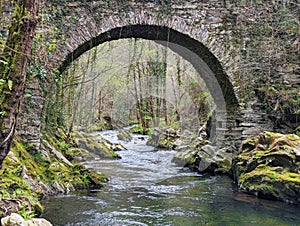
(209, 34)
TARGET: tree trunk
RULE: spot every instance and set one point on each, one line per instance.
(13, 66)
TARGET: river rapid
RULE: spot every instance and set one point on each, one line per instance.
(146, 188)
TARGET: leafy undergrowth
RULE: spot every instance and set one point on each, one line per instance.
(28, 174)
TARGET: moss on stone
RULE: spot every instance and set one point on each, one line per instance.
(14, 185)
(27, 176)
(268, 166)
(96, 127)
(138, 129)
(93, 145)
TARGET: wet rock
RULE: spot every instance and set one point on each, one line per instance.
(186, 157)
(268, 166)
(96, 145)
(39, 222)
(17, 220)
(164, 138)
(203, 157)
(124, 135)
(214, 160)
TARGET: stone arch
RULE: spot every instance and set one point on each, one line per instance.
(204, 61)
(218, 83)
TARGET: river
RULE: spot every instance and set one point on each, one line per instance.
(146, 188)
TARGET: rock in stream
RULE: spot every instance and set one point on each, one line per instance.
(268, 166)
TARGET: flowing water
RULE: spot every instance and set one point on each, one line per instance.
(145, 188)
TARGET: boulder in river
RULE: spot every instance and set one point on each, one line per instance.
(268, 166)
(124, 135)
(203, 157)
(95, 145)
(164, 138)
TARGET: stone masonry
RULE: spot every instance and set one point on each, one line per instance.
(209, 29)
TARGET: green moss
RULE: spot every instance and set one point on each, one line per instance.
(192, 160)
(79, 152)
(267, 173)
(96, 127)
(14, 187)
(23, 170)
(92, 146)
(87, 178)
(140, 130)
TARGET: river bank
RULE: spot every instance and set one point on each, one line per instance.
(28, 175)
(139, 166)
(147, 188)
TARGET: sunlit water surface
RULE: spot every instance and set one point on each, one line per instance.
(146, 188)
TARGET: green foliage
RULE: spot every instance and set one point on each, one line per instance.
(114, 155)
(85, 179)
(25, 212)
(63, 145)
(37, 71)
(139, 129)
(13, 186)
(175, 125)
(297, 131)
(133, 122)
(147, 118)
(73, 20)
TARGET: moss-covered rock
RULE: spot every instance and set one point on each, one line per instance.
(203, 157)
(124, 135)
(268, 166)
(95, 127)
(27, 176)
(94, 145)
(138, 129)
(164, 138)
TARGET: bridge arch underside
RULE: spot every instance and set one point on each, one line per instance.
(206, 64)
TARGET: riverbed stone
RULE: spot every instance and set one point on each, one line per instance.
(17, 220)
(268, 166)
(39, 222)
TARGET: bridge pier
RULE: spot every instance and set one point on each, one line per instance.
(30, 118)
